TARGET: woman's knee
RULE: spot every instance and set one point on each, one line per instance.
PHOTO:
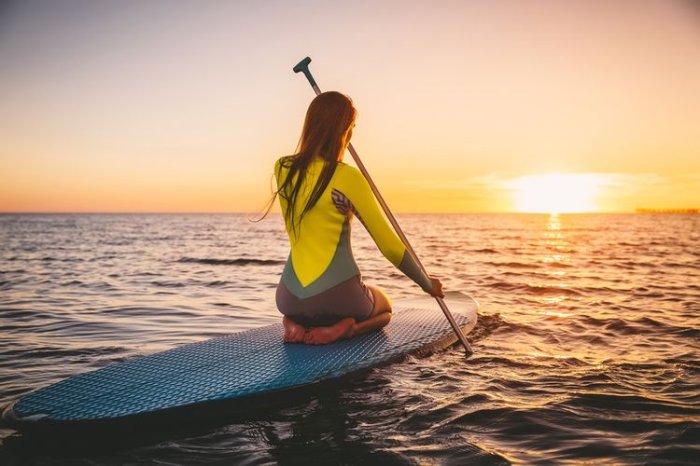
(382, 303)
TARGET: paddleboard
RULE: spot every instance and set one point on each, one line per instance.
(235, 367)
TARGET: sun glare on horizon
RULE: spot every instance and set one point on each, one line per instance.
(556, 193)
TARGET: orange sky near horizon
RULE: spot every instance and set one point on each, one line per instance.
(463, 106)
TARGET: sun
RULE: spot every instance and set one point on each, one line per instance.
(556, 193)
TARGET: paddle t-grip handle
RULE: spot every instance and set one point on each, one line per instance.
(303, 66)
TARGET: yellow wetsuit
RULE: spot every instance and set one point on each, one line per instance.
(321, 256)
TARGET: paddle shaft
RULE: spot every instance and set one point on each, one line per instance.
(303, 66)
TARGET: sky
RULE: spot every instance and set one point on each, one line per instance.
(463, 106)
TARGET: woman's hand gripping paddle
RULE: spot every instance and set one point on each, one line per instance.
(303, 66)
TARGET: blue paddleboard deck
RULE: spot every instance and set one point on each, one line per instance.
(239, 366)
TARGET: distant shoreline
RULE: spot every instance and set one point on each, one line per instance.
(667, 211)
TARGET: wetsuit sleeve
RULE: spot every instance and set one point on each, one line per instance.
(356, 188)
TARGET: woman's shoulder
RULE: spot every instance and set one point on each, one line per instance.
(348, 176)
(348, 170)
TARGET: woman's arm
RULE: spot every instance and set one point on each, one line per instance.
(356, 188)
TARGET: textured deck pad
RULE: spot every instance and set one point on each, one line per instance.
(246, 363)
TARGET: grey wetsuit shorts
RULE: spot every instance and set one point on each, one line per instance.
(351, 298)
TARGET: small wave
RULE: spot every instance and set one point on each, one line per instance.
(166, 284)
(627, 402)
(540, 290)
(57, 352)
(518, 265)
(678, 265)
(485, 326)
(219, 284)
(551, 289)
(237, 261)
(558, 265)
(560, 248)
(641, 325)
(61, 259)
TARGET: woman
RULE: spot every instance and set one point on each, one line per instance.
(321, 293)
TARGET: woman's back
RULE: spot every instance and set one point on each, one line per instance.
(320, 255)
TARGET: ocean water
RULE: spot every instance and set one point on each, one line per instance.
(587, 350)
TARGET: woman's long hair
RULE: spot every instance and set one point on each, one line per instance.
(326, 134)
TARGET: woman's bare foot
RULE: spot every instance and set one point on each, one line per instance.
(324, 335)
(293, 332)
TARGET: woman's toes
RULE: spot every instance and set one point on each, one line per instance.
(293, 332)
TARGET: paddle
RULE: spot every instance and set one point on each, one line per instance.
(303, 66)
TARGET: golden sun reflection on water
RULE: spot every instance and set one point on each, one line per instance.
(556, 288)
(555, 241)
